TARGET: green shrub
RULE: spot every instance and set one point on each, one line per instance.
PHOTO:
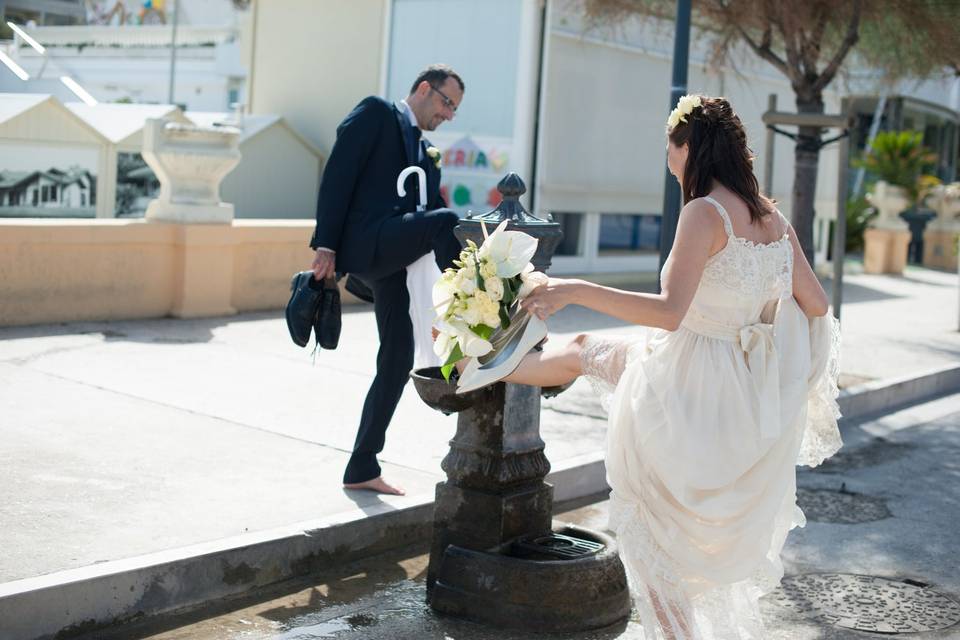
(859, 213)
(899, 158)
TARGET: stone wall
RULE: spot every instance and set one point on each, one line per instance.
(70, 270)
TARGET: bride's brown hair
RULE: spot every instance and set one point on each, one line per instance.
(718, 150)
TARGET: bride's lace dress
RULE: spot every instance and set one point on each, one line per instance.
(706, 424)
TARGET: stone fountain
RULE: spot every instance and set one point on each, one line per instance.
(495, 557)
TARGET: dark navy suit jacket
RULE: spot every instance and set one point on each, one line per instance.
(358, 190)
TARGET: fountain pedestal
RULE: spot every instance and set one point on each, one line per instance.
(886, 242)
(494, 557)
(940, 237)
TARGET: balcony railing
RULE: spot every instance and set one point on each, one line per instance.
(131, 36)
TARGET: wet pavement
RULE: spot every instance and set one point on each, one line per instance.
(886, 510)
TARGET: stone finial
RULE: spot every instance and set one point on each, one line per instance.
(511, 187)
(190, 162)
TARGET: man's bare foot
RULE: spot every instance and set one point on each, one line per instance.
(378, 485)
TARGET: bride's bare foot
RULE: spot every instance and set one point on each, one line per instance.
(379, 485)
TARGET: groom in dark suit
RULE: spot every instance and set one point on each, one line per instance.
(366, 229)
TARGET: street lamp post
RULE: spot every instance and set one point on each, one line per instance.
(173, 48)
(671, 190)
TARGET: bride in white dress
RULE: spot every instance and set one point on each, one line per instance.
(732, 384)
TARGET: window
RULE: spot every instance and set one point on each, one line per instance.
(53, 193)
(45, 194)
(572, 226)
(625, 233)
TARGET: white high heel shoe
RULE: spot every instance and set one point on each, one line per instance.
(509, 348)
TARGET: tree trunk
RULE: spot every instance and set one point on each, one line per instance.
(806, 163)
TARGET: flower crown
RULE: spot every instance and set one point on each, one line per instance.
(685, 107)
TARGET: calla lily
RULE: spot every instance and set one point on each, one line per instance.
(443, 294)
(509, 250)
(443, 346)
(473, 346)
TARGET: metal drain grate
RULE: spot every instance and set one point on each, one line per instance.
(841, 507)
(556, 546)
(866, 603)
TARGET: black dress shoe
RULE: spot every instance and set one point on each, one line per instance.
(358, 287)
(326, 325)
(305, 300)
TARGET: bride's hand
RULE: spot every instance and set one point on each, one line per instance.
(547, 299)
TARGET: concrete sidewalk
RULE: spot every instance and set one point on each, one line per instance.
(128, 445)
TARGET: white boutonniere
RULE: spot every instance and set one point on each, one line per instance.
(434, 154)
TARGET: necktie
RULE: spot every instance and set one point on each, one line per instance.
(414, 144)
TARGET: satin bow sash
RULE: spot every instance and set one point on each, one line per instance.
(761, 353)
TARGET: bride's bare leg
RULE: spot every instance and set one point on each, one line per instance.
(547, 368)
(671, 618)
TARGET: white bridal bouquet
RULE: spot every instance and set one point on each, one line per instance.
(475, 299)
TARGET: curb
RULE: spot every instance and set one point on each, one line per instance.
(76, 601)
(882, 395)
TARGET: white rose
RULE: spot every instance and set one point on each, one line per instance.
(488, 269)
(494, 287)
(472, 314)
(531, 280)
(483, 299)
(465, 283)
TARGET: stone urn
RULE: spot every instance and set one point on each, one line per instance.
(890, 201)
(940, 236)
(887, 239)
(190, 162)
(944, 199)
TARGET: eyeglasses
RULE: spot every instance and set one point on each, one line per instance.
(447, 102)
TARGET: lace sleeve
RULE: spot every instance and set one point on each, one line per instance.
(821, 437)
(603, 361)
